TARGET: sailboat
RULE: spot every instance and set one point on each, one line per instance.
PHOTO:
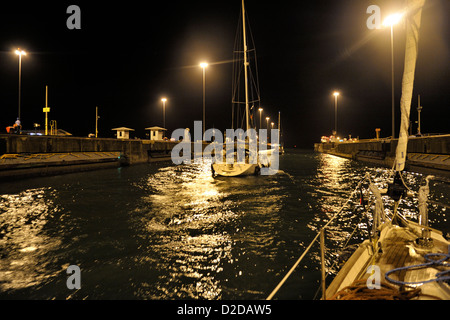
(250, 163)
(402, 259)
(411, 259)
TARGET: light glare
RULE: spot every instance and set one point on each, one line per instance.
(393, 19)
(20, 52)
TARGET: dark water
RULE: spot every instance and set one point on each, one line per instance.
(161, 231)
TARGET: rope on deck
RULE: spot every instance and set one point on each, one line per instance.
(440, 276)
(358, 290)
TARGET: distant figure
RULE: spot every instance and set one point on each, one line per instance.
(187, 136)
(17, 126)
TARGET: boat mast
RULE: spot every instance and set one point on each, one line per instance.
(245, 66)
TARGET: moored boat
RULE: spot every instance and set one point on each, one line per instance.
(402, 259)
(242, 166)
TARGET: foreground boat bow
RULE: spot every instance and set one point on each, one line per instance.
(401, 267)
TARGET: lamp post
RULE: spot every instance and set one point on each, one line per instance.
(390, 21)
(164, 114)
(96, 121)
(20, 53)
(335, 94)
(419, 109)
(260, 114)
(272, 124)
(204, 65)
(46, 110)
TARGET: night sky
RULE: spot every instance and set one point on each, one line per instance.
(129, 54)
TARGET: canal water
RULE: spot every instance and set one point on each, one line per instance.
(160, 231)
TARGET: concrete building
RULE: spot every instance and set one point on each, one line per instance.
(156, 133)
(123, 132)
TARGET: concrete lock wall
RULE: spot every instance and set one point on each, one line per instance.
(428, 145)
(430, 153)
(136, 151)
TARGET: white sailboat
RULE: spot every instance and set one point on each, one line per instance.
(244, 166)
(402, 259)
(408, 257)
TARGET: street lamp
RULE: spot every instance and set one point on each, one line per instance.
(335, 94)
(271, 133)
(260, 112)
(204, 65)
(164, 114)
(20, 53)
(260, 115)
(390, 21)
(96, 123)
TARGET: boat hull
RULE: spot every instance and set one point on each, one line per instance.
(235, 169)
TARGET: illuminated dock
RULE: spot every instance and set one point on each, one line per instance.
(430, 154)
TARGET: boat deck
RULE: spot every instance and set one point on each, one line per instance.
(398, 249)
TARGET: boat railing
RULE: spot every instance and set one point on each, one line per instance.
(379, 218)
(320, 236)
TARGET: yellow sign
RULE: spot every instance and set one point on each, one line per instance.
(46, 110)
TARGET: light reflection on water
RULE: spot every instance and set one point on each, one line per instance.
(173, 232)
(205, 216)
(185, 207)
(24, 246)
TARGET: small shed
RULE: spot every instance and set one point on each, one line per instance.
(123, 132)
(156, 133)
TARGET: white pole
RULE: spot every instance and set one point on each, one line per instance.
(20, 78)
(392, 74)
(245, 67)
(322, 259)
(96, 122)
(419, 109)
(46, 108)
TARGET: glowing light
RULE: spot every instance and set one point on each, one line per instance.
(163, 99)
(203, 65)
(336, 94)
(393, 19)
(20, 52)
